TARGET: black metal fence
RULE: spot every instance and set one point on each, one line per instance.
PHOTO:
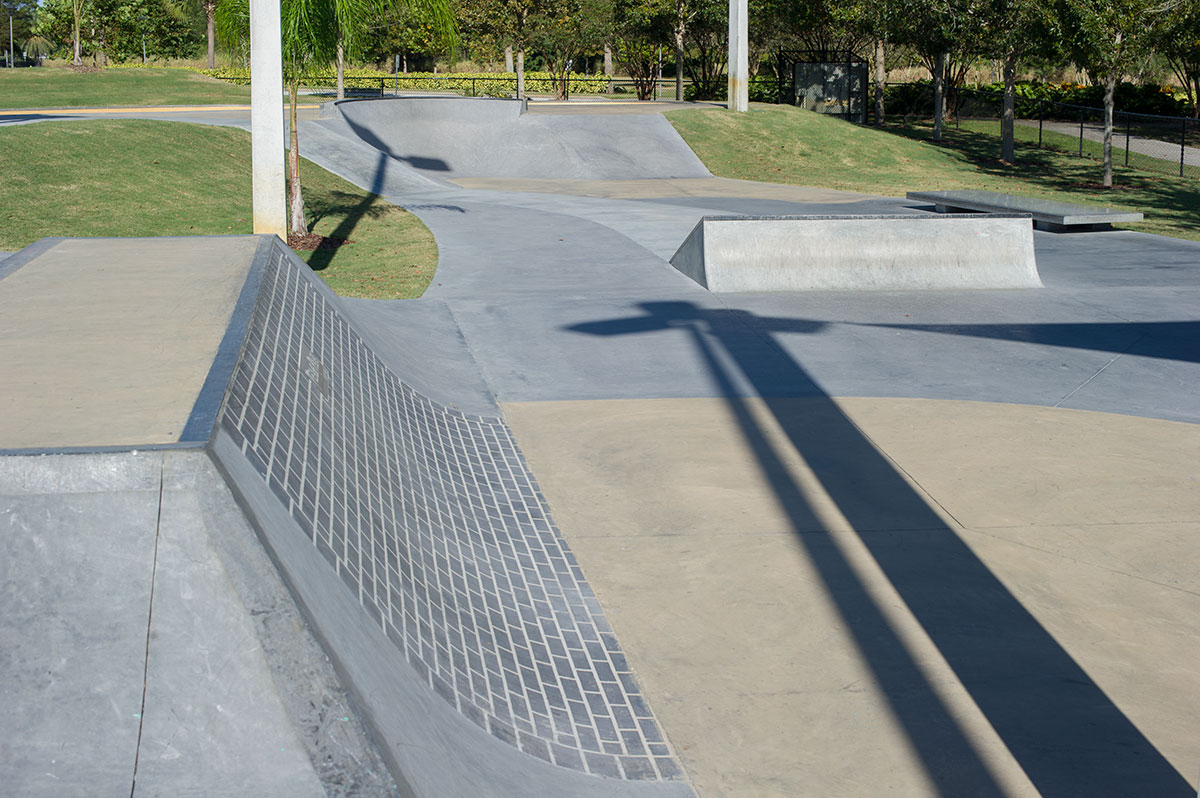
(1140, 141)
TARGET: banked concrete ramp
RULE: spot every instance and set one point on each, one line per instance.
(451, 137)
(419, 546)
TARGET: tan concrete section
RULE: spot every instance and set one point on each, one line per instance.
(719, 593)
(663, 187)
(107, 342)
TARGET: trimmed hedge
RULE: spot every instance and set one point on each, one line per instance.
(1030, 97)
(496, 84)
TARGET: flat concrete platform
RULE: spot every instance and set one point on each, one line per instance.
(1047, 214)
(107, 342)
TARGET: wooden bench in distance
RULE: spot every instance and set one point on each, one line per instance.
(1057, 217)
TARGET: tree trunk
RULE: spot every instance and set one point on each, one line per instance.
(679, 61)
(1110, 86)
(341, 70)
(210, 12)
(508, 59)
(939, 96)
(78, 6)
(299, 224)
(1007, 118)
(880, 82)
(608, 72)
(521, 72)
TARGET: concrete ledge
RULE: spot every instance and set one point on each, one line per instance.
(1047, 215)
(810, 253)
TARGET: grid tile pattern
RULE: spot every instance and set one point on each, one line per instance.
(433, 519)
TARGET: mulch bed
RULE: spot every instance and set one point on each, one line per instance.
(310, 241)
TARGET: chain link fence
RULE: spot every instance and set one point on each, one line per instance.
(1146, 142)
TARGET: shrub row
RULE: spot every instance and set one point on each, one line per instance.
(497, 84)
(1032, 98)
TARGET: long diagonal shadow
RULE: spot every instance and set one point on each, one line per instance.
(1059, 725)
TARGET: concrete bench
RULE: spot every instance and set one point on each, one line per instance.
(858, 253)
(1049, 215)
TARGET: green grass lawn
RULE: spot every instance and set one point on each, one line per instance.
(59, 87)
(782, 144)
(147, 178)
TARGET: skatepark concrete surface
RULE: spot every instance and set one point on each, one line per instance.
(830, 543)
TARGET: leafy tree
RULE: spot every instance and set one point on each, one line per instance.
(1176, 36)
(23, 14)
(1106, 37)
(1012, 30)
(640, 29)
(947, 37)
(311, 33)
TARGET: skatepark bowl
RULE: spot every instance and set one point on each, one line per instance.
(576, 523)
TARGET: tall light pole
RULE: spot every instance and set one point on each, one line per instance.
(739, 56)
(266, 118)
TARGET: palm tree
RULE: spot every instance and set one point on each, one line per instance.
(312, 32)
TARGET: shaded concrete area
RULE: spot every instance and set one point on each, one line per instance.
(106, 342)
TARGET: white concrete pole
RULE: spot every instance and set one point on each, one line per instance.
(739, 56)
(266, 118)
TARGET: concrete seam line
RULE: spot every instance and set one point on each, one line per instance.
(149, 620)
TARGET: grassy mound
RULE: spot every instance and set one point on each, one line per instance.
(60, 87)
(782, 144)
(147, 178)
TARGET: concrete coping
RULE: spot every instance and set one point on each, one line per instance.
(1047, 214)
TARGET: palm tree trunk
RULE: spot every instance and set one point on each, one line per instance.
(508, 59)
(78, 7)
(210, 10)
(679, 31)
(341, 70)
(299, 223)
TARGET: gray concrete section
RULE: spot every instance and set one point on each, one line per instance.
(866, 253)
(127, 656)
(421, 340)
(484, 137)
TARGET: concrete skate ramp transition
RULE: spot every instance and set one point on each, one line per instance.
(418, 544)
(452, 137)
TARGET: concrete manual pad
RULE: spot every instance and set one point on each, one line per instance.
(732, 545)
(107, 342)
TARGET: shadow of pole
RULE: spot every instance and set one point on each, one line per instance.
(1061, 728)
(321, 258)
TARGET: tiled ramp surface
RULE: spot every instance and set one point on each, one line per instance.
(433, 521)
(412, 534)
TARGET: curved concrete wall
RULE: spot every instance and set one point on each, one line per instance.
(435, 529)
(485, 137)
